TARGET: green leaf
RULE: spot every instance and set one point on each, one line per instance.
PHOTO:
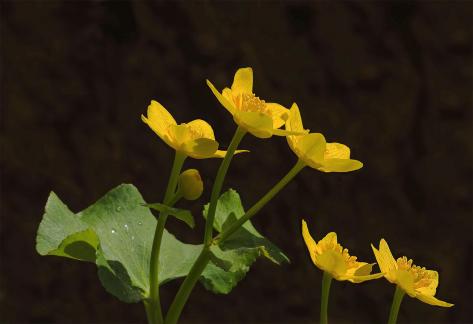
(181, 214)
(232, 259)
(64, 234)
(116, 233)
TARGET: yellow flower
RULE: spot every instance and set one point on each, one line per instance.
(417, 282)
(331, 257)
(260, 118)
(195, 139)
(314, 151)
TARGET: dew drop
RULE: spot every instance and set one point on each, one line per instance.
(113, 231)
(140, 223)
(132, 237)
(126, 227)
(119, 209)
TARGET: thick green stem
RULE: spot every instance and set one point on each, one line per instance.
(263, 201)
(397, 299)
(187, 286)
(189, 282)
(217, 187)
(326, 281)
(153, 304)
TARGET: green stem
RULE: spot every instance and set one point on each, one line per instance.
(397, 299)
(326, 281)
(263, 201)
(217, 187)
(153, 304)
(199, 265)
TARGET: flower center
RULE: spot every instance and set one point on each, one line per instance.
(422, 278)
(249, 102)
(350, 260)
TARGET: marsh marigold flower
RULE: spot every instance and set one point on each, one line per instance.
(195, 139)
(417, 282)
(328, 255)
(260, 118)
(314, 151)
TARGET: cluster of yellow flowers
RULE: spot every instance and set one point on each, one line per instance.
(264, 119)
(329, 256)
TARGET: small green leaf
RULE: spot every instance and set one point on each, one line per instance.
(232, 259)
(64, 234)
(181, 214)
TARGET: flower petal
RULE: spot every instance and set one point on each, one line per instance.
(431, 300)
(223, 101)
(311, 147)
(340, 165)
(158, 118)
(179, 134)
(309, 241)
(258, 124)
(337, 151)
(405, 280)
(200, 148)
(279, 113)
(221, 154)
(384, 257)
(243, 81)
(332, 262)
(201, 128)
(432, 287)
(359, 279)
(294, 122)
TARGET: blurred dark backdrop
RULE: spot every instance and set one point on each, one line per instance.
(392, 80)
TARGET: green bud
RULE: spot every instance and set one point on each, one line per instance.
(190, 184)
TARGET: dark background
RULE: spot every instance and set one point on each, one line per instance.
(392, 80)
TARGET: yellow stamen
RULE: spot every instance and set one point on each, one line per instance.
(422, 278)
(250, 103)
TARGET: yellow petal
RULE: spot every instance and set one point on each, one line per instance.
(363, 269)
(337, 151)
(385, 260)
(258, 124)
(405, 280)
(279, 113)
(243, 81)
(158, 118)
(311, 147)
(223, 101)
(340, 165)
(432, 287)
(431, 300)
(332, 262)
(201, 129)
(309, 241)
(294, 122)
(221, 154)
(200, 148)
(283, 132)
(359, 279)
(179, 134)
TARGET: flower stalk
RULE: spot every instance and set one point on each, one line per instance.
(153, 304)
(326, 282)
(217, 187)
(204, 257)
(397, 300)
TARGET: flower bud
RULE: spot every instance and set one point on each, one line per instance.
(190, 184)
